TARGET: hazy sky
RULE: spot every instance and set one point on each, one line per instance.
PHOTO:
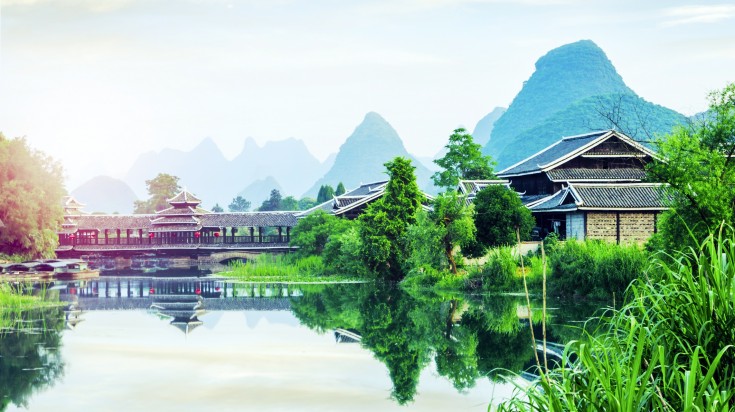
(96, 82)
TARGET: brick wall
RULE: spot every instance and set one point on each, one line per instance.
(602, 226)
(634, 227)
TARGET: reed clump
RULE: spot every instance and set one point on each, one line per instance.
(19, 296)
(283, 268)
(668, 348)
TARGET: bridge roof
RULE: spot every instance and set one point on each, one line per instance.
(155, 223)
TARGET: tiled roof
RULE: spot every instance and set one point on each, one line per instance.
(175, 220)
(71, 203)
(621, 196)
(184, 197)
(561, 175)
(585, 196)
(556, 151)
(561, 200)
(174, 211)
(102, 222)
(471, 187)
(249, 219)
(355, 197)
(529, 199)
(175, 228)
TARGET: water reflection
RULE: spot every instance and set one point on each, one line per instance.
(29, 353)
(467, 337)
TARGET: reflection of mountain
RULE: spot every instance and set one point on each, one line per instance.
(30, 359)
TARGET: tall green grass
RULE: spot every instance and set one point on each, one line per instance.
(283, 268)
(19, 296)
(669, 348)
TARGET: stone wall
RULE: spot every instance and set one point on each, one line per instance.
(602, 226)
(634, 227)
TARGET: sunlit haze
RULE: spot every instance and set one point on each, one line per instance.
(95, 83)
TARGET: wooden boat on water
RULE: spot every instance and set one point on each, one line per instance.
(26, 271)
(74, 270)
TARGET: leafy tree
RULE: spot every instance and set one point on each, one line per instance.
(464, 160)
(699, 167)
(217, 208)
(425, 244)
(455, 220)
(239, 204)
(306, 203)
(312, 232)
(289, 203)
(384, 224)
(160, 189)
(326, 192)
(31, 193)
(499, 212)
(342, 253)
(340, 189)
(272, 203)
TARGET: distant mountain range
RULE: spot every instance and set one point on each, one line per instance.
(575, 89)
(360, 159)
(105, 194)
(205, 171)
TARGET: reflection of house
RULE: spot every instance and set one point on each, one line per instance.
(183, 225)
(351, 204)
(183, 310)
(589, 186)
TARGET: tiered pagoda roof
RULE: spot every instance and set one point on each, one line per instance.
(182, 216)
(72, 212)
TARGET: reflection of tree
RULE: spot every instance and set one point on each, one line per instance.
(29, 357)
(468, 337)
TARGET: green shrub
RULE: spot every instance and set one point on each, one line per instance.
(499, 273)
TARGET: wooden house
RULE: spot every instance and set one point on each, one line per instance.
(590, 186)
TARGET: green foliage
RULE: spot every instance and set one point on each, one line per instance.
(464, 160)
(455, 221)
(306, 203)
(342, 251)
(312, 232)
(340, 189)
(272, 203)
(498, 273)
(594, 268)
(289, 203)
(499, 212)
(699, 167)
(217, 208)
(669, 348)
(384, 224)
(31, 192)
(239, 204)
(326, 192)
(425, 244)
(160, 189)
(283, 268)
(29, 349)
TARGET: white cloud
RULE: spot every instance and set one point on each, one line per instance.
(698, 14)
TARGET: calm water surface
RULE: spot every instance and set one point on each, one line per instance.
(204, 344)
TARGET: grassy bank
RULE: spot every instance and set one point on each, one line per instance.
(669, 348)
(16, 297)
(284, 268)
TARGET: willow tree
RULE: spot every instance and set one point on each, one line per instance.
(384, 224)
(31, 193)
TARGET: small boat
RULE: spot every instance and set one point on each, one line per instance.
(76, 270)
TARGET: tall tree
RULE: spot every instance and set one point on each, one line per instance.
(455, 220)
(499, 213)
(217, 208)
(464, 160)
(698, 163)
(239, 204)
(272, 203)
(326, 192)
(160, 189)
(340, 189)
(384, 224)
(289, 203)
(31, 192)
